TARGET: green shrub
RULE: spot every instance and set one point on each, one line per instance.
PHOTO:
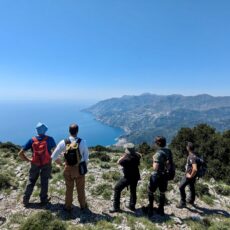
(42, 220)
(104, 190)
(115, 175)
(99, 148)
(220, 225)
(105, 158)
(55, 169)
(195, 225)
(7, 180)
(208, 199)
(102, 224)
(105, 165)
(100, 155)
(9, 147)
(211, 145)
(111, 176)
(17, 218)
(90, 178)
(143, 190)
(202, 189)
(222, 190)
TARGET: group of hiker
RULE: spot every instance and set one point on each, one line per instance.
(76, 155)
(44, 149)
(163, 171)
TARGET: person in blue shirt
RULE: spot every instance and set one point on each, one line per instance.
(41, 147)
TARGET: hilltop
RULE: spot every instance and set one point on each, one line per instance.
(148, 115)
(211, 212)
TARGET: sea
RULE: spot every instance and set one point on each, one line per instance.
(18, 121)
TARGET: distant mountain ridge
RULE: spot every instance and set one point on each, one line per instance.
(147, 115)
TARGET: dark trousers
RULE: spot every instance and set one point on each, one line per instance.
(191, 183)
(35, 171)
(157, 181)
(121, 184)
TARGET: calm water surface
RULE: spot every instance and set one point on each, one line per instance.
(18, 121)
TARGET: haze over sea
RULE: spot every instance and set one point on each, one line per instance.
(18, 121)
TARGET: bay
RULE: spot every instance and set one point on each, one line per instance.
(18, 121)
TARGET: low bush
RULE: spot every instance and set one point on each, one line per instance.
(90, 178)
(55, 169)
(43, 220)
(220, 225)
(222, 190)
(208, 199)
(104, 190)
(100, 155)
(105, 165)
(111, 176)
(202, 189)
(7, 181)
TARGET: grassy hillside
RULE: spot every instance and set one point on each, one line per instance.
(211, 212)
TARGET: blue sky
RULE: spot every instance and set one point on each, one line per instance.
(97, 49)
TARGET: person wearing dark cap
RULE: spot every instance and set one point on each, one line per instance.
(41, 146)
(159, 178)
(189, 178)
(130, 162)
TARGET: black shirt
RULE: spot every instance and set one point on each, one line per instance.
(130, 165)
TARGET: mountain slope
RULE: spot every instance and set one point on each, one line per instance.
(142, 116)
(211, 210)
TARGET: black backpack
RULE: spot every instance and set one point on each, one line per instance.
(169, 164)
(72, 153)
(201, 167)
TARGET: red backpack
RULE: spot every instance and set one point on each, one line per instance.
(41, 154)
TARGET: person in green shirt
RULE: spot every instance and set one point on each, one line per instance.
(159, 178)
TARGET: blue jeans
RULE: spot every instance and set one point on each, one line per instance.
(35, 171)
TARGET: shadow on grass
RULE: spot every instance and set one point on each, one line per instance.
(82, 216)
(205, 211)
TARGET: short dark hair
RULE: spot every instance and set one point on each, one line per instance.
(160, 141)
(73, 129)
(190, 146)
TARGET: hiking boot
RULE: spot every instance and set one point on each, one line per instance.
(144, 209)
(147, 211)
(130, 207)
(84, 207)
(69, 210)
(45, 202)
(25, 203)
(113, 210)
(181, 205)
(160, 211)
(190, 202)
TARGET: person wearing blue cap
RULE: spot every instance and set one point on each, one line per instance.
(41, 146)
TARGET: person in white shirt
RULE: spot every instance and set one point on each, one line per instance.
(71, 170)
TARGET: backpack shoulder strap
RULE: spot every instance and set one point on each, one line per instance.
(45, 138)
(162, 152)
(34, 139)
(78, 149)
(79, 140)
(67, 141)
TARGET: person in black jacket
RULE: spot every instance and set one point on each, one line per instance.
(130, 162)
